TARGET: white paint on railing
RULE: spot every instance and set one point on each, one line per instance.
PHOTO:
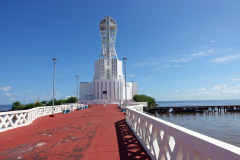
(14, 119)
(166, 141)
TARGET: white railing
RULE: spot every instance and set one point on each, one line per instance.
(144, 104)
(166, 141)
(134, 106)
(14, 119)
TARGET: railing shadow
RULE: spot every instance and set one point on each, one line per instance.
(129, 146)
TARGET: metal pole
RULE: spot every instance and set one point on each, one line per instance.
(125, 60)
(53, 88)
(120, 88)
(54, 63)
(105, 100)
(77, 87)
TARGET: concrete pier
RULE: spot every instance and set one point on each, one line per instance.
(95, 133)
(186, 109)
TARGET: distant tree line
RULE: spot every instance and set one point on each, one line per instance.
(18, 106)
(143, 98)
(62, 101)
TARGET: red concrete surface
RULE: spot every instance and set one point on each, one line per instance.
(95, 133)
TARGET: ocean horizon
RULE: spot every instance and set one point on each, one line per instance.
(178, 103)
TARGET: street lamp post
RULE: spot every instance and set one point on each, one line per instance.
(125, 60)
(54, 63)
(120, 88)
(77, 87)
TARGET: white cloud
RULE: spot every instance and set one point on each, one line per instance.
(224, 89)
(177, 90)
(166, 66)
(217, 91)
(8, 94)
(180, 60)
(5, 88)
(190, 57)
(218, 87)
(28, 91)
(147, 78)
(226, 58)
(131, 75)
(157, 69)
(235, 79)
(154, 64)
(202, 89)
(210, 51)
(212, 41)
(16, 93)
(56, 94)
(163, 67)
(148, 63)
(197, 90)
(197, 54)
(203, 93)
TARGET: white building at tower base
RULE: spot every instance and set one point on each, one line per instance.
(113, 87)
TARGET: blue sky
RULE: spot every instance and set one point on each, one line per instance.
(176, 50)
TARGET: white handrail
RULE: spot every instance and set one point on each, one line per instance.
(14, 119)
(164, 141)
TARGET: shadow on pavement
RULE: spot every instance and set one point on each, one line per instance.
(129, 146)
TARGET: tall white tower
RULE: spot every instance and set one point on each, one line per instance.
(108, 74)
(107, 67)
(108, 31)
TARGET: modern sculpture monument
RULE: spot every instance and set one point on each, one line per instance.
(108, 72)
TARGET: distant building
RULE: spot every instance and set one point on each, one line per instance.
(108, 74)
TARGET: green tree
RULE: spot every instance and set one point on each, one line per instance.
(38, 104)
(56, 102)
(29, 106)
(50, 102)
(143, 98)
(21, 107)
(15, 105)
(44, 102)
(71, 100)
(60, 101)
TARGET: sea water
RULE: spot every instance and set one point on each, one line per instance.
(224, 126)
(5, 107)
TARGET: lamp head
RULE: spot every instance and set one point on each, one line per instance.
(124, 59)
(54, 60)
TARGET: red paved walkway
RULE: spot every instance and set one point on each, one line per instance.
(95, 133)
